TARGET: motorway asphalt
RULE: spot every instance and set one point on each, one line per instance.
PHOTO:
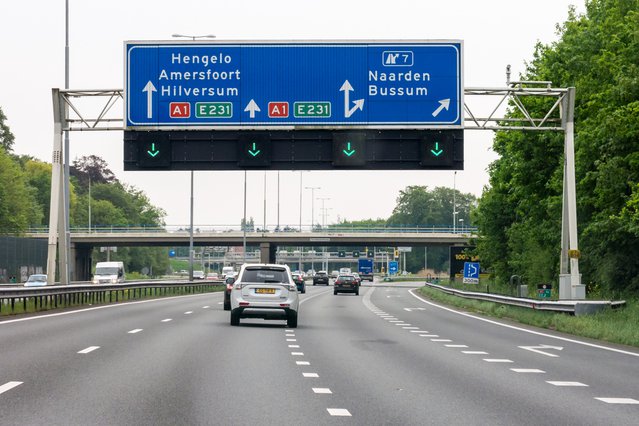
(386, 357)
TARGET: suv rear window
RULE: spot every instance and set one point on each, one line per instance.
(264, 276)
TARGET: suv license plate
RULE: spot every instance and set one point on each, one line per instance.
(265, 290)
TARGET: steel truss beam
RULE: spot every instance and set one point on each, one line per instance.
(93, 110)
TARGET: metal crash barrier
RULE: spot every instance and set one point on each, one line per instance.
(24, 299)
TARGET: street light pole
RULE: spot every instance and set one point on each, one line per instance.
(324, 211)
(312, 188)
(454, 202)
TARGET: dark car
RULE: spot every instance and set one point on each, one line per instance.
(320, 277)
(346, 284)
(299, 282)
(227, 292)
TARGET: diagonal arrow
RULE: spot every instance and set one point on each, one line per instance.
(149, 89)
(444, 103)
(537, 349)
(359, 104)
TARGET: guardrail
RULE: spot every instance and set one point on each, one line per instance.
(268, 229)
(57, 296)
(573, 307)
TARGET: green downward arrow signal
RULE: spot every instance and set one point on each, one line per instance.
(437, 152)
(153, 152)
(348, 151)
(254, 152)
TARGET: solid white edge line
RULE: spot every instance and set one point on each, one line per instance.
(89, 349)
(8, 386)
(564, 339)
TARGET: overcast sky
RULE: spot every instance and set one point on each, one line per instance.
(495, 33)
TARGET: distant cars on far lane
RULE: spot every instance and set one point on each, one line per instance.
(36, 280)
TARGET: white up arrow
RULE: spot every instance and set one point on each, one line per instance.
(251, 108)
(444, 103)
(149, 89)
(347, 88)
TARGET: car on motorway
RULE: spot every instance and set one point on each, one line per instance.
(36, 280)
(212, 276)
(346, 283)
(198, 275)
(357, 278)
(334, 274)
(265, 291)
(299, 282)
(228, 282)
(321, 277)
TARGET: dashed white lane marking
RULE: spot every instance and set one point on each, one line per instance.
(339, 412)
(167, 319)
(396, 321)
(475, 352)
(566, 383)
(302, 363)
(456, 346)
(310, 374)
(410, 328)
(403, 324)
(615, 400)
(322, 390)
(8, 386)
(137, 330)
(289, 331)
(89, 349)
(418, 331)
(219, 303)
(290, 335)
(440, 340)
(498, 360)
(205, 307)
(429, 335)
(294, 346)
(527, 370)
(188, 312)
(291, 340)
(297, 353)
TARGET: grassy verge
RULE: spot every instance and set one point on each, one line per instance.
(615, 326)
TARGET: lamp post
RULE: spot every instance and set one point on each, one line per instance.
(312, 188)
(324, 214)
(461, 226)
(454, 202)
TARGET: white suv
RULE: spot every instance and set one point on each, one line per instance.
(264, 291)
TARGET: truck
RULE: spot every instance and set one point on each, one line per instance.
(108, 273)
(365, 269)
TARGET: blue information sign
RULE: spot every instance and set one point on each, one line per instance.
(392, 267)
(171, 85)
(471, 273)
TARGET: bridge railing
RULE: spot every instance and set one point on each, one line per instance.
(428, 229)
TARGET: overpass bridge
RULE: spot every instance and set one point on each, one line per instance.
(83, 240)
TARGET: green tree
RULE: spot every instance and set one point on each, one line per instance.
(18, 208)
(519, 215)
(6, 137)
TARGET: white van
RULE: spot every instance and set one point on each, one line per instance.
(227, 271)
(108, 273)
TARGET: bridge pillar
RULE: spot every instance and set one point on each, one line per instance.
(268, 252)
(81, 257)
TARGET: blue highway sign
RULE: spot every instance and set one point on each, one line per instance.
(244, 85)
(393, 267)
(471, 273)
